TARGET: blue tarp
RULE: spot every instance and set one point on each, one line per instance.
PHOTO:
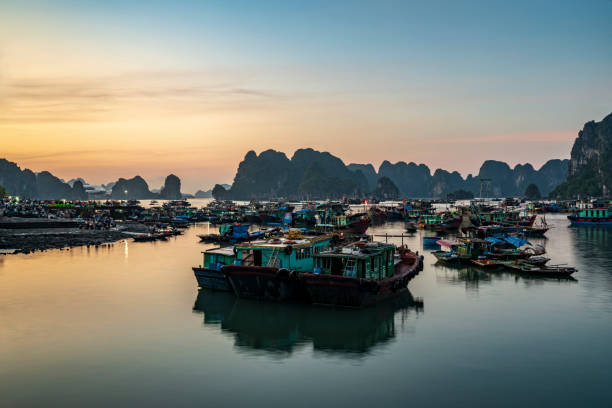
(505, 238)
(407, 207)
(493, 241)
(515, 241)
(240, 231)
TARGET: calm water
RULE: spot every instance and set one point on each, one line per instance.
(125, 325)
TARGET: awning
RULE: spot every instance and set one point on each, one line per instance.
(447, 243)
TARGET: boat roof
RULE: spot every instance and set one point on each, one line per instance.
(447, 243)
(358, 250)
(283, 242)
(227, 251)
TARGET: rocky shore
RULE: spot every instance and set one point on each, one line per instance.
(26, 240)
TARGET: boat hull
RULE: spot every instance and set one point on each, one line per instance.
(263, 283)
(211, 279)
(360, 226)
(590, 222)
(450, 225)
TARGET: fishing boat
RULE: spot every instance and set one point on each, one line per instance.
(486, 263)
(430, 242)
(436, 222)
(209, 274)
(149, 236)
(335, 214)
(591, 217)
(411, 226)
(529, 269)
(360, 274)
(268, 269)
(448, 254)
(237, 233)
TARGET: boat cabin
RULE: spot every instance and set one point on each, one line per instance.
(295, 254)
(430, 219)
(595, 213)
(372, 260)
(472, 248)
(218, 257)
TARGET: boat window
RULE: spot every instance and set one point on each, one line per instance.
(336, 266)
(257, 257)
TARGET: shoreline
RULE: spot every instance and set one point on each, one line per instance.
(53, 235)
(32, 240)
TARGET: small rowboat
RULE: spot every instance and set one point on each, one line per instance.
(486, 263)
(552, 270)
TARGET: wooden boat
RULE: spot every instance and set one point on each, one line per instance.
(533, 231)
(431, 241)
(237, 233)
(486, 263)
(449, 254)
(411, 226)
(336, 215)
(529, 269)
(360, 274)
(268, 269)
(447, 257)
(149, 237)
(209, 274)
(439, 223)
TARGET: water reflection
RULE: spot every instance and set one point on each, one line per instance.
(279, 329)
(592, 247)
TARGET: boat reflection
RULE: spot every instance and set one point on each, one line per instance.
(280, 328)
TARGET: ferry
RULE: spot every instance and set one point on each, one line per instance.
(209, 275)
(591, 216)
(360, 274)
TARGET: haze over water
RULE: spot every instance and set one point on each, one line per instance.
(125, 325)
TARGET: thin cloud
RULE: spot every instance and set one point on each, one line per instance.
(104, 98)
(561, 136)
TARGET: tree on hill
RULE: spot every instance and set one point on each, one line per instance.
(533, 192)
(3, 192)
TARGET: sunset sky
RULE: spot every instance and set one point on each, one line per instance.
(103, 89)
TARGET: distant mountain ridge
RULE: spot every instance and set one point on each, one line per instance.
(45, 186)
(26, 183)
(311, 174)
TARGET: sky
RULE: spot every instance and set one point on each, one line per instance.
(110, 89)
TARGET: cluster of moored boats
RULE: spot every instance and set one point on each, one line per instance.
(500, 251)
(497, 238)
(294, 258)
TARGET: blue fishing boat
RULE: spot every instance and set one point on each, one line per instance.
(591, 217)
(431, 242)
(209, 274)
